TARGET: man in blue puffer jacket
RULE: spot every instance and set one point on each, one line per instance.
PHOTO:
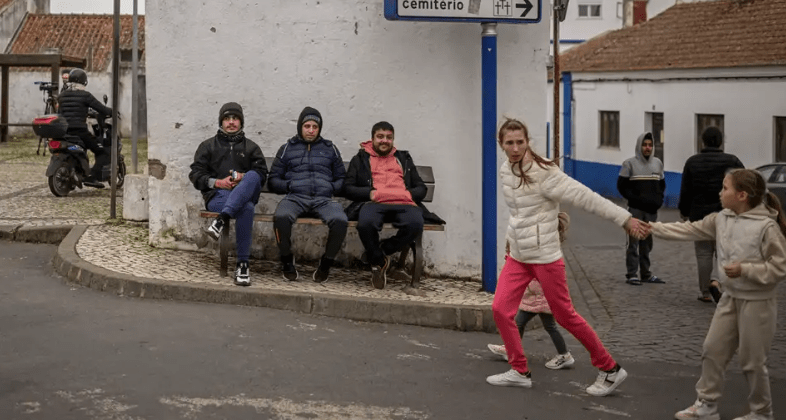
(309, 170)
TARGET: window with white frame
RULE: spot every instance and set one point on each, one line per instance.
(610, 129)
(589, 10)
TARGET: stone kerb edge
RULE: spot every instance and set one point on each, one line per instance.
(78, 271)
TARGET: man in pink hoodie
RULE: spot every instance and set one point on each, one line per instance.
(385, 186)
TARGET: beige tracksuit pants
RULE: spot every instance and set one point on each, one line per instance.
(747, 326)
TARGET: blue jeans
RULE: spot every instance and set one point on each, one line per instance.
(239, 204)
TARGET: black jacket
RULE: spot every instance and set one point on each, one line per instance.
(702, 180)
(359, 183)
(73, 105)
(310, 169)
(216, 156)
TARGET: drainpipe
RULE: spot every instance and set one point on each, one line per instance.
(567, 110)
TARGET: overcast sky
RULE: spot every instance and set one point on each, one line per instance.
(95, 6)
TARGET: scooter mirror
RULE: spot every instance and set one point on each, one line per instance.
(105, 99)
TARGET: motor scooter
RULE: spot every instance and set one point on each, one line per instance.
(69, 166)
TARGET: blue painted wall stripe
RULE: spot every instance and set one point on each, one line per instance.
(602, 178)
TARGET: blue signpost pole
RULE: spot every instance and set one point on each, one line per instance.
(489, 75)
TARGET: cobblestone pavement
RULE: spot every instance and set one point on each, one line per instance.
(653, 321)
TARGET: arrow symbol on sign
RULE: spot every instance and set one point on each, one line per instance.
(527, 6)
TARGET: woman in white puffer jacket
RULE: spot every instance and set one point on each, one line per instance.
(533, 188)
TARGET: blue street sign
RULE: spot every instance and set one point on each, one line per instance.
(500, 11)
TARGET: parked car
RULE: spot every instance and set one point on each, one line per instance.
(775, 176)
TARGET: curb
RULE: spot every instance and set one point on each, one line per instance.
(601, 319)
(35, 234)
(78, 271)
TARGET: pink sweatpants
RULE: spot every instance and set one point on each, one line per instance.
(513, 280)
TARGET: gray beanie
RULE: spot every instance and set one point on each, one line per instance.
(231, 108)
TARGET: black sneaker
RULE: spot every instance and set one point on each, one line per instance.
(242, 277)
(378, 274)
(633, 281)
(323, 271)
(715, 293)
(288, 267)
(215, 228)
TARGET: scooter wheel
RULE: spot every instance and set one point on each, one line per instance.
(121, 173)
(60, 182)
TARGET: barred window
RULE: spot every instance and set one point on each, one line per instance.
(610, 129)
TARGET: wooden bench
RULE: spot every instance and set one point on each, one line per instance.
(425, 172)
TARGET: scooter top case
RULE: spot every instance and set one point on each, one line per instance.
(50, 126)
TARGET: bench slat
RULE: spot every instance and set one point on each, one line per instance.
(311, 221)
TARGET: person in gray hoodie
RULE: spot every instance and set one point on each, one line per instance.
(641, 182)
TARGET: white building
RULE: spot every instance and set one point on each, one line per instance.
(720, 63)
(343, 58)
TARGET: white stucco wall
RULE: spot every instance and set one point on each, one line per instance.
(26, 101)
(748, 106)
(343, 58)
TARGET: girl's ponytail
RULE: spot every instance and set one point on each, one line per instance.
(775, 204)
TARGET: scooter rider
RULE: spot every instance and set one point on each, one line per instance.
(73, 106)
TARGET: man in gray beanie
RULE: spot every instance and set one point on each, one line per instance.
(231, 185)
(309, 170)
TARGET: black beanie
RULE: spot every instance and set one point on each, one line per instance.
(231, 108)
(309, 114)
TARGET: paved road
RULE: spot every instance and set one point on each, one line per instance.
(653, 322)
(73, 353)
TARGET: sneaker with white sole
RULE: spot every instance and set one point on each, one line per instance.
(242, 277)
(756, 416)
(499, 350)
(700, 410)
(215, 228)
(606, 382)
(378, 274)
(511, 378)
(561, 361)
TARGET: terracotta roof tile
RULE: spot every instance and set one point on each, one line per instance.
(4, 3)
(702, 34)
(78, 35)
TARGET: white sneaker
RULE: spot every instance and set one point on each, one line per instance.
(561, 361)
(510, 378)
(242, 278)
(607, 382)
(499, 350)
(700, 410)
(756, 416)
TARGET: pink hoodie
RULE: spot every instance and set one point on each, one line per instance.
(388, 178)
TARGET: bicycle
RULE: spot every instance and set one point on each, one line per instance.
(50, 106)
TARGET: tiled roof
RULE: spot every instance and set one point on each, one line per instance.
(702, 34)
(88, 36)
(4, 3)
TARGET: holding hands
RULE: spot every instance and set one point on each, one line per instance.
(638, 229)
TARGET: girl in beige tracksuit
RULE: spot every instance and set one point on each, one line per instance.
(751, 261)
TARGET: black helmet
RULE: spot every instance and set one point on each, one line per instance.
(77, 76)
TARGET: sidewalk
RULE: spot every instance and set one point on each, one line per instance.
(117, 258)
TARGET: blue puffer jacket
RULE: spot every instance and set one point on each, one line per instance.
(309, 169)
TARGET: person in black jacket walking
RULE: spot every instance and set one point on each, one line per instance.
(73, 104)
(309, 170)
(385, 186)
(229, 169)
(702, 181)
(641, 182)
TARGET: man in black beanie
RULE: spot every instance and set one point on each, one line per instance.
(231, 185)
(702, 180)
(309, 170)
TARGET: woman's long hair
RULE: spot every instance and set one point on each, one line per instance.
(512, 124)
(751, 182)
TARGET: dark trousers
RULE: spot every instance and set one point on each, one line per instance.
(637, 256)
(327, 210)
(523, 317)
(102, 158)
(407, 219)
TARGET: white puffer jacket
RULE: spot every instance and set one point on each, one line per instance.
(532, 228)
